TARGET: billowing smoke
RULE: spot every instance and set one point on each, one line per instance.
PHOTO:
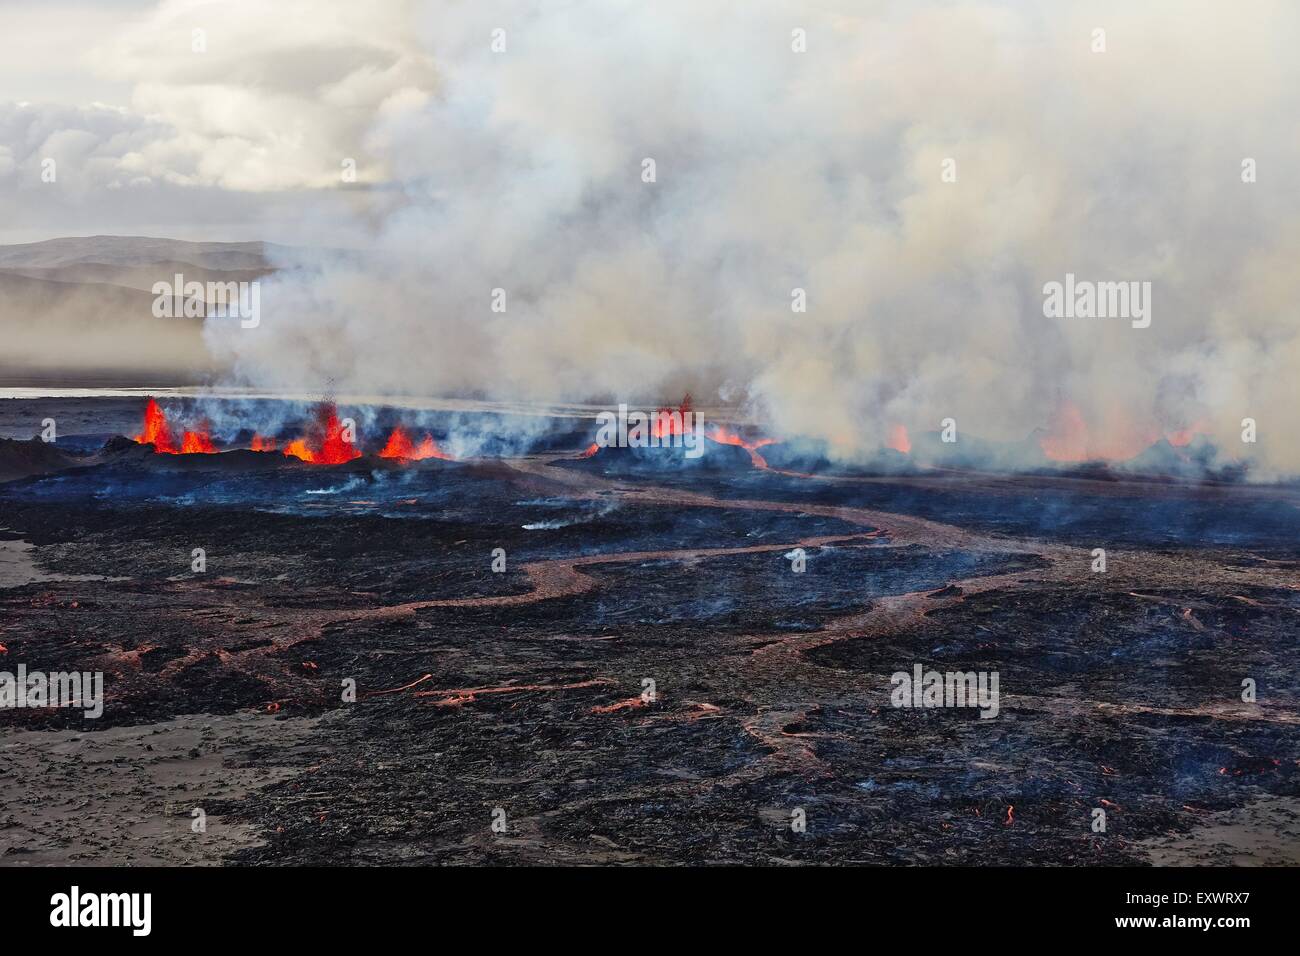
(919, 170)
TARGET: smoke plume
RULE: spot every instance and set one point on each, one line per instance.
(919, 170)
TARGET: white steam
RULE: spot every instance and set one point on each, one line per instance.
(822, 170)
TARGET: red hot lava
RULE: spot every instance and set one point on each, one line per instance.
(670, 421)
(1183, 436)
(666, 422)
(197, 443)
(327, 441)
(1071, 437)
(725, 436)
(400, 446)
(158, 432)
(899, 439)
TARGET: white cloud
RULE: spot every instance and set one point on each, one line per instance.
(280, 94)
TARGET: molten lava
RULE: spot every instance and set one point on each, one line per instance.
(400, 446)
(670, 421)
(899, 440)
(1116, 437)
(664, 424)
(1184, 436)
(261, 443)
(197, 443)
(1067, 435)
(158, 432)
(326, 442)
(724, 436)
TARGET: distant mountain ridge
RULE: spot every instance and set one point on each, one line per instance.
(134, 251)
(141, 278)
(81, 308)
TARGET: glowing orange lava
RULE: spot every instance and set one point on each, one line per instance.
(899, 440)
(1067, 435)
(1117, 436)
(400, 446)
(260, 443)
(670, 421)
(156, 430)
(725, 436)
(1184, 436)
(326, 442)
(197, 443)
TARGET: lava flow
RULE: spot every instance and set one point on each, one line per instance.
(400, 446)
(724, 436)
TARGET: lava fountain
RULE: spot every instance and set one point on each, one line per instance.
(399, 445)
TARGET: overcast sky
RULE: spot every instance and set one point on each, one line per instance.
(238, 135)
(44, 49)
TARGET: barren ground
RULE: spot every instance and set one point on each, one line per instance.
(523, 690)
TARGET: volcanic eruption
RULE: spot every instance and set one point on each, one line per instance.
(158, 432)
(399, 445)
(328, 439)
